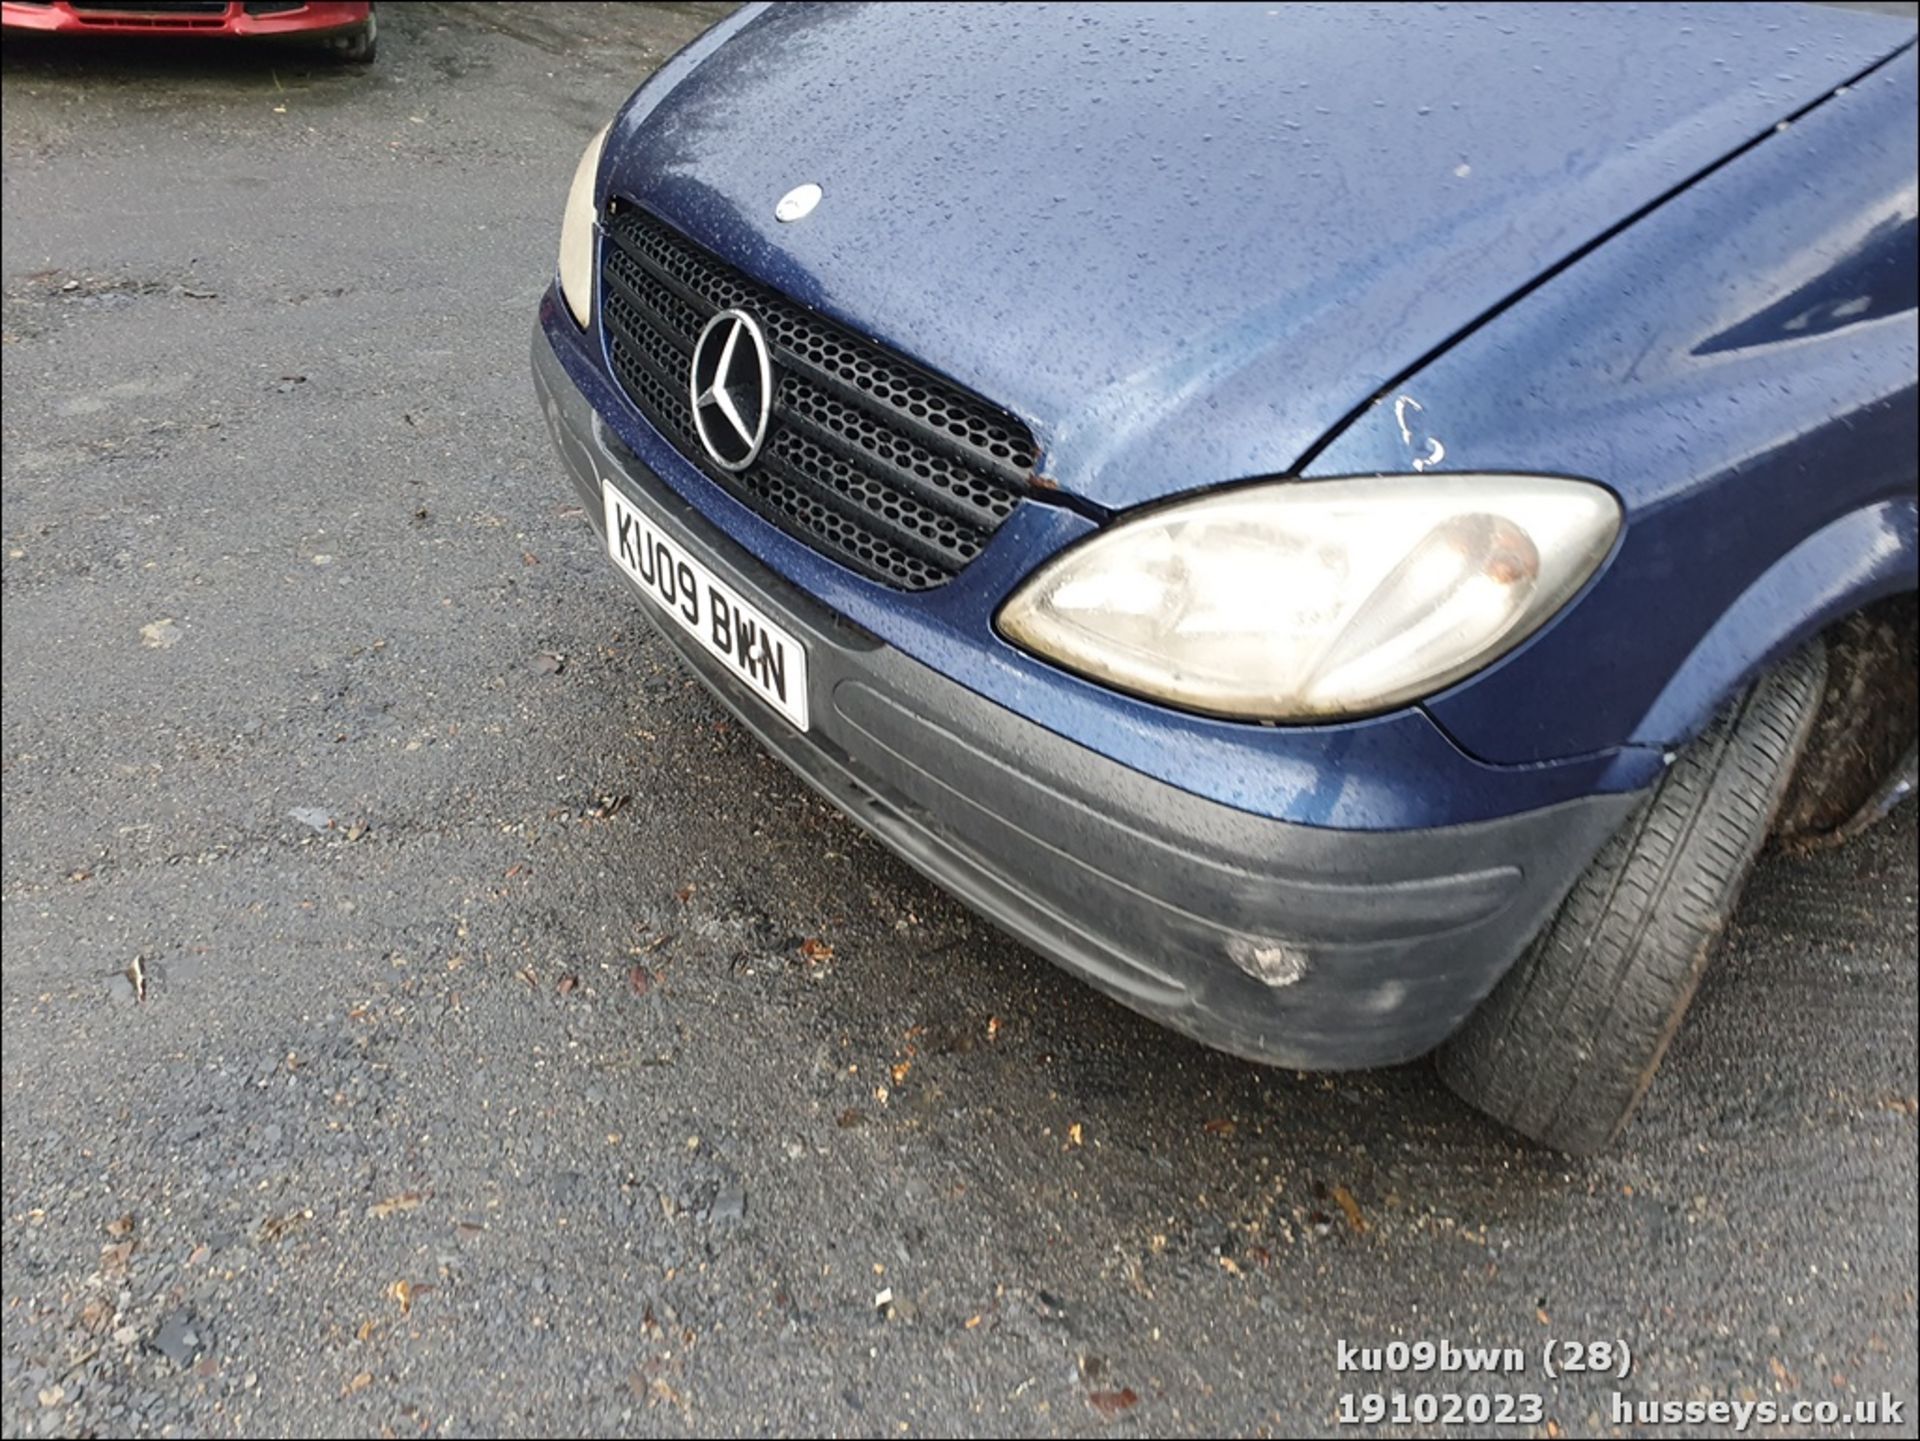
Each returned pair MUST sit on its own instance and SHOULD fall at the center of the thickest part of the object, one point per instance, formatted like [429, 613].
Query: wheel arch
[1867, 556]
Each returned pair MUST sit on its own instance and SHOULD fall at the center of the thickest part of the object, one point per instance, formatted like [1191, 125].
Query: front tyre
[359, 47]
[1567, 1043]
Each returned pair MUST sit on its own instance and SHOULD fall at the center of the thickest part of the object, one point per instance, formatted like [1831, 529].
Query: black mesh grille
[879, 464]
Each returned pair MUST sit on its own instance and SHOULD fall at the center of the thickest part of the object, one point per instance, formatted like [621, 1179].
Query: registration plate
[762, 656]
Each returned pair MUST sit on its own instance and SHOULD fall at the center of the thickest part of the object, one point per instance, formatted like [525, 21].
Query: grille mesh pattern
[887, 469]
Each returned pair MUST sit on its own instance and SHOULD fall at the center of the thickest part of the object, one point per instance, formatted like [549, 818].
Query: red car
[349, 31]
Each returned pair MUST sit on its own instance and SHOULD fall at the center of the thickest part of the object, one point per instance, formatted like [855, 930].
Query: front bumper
[1290, 944]
[314, 20]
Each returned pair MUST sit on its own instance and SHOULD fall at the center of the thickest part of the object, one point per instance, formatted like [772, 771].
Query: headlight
[576, 234]
[1310, 600]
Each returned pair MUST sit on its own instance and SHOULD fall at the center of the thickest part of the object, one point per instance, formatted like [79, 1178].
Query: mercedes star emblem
[731, 382]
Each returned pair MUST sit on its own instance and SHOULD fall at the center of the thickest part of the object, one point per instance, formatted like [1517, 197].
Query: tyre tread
[1565, 1046]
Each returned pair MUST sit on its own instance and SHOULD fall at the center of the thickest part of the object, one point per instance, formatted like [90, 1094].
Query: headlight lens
[1313, 600]
[576, 234]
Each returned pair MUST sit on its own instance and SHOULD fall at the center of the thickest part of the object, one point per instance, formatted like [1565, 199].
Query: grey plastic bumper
[1289, 944]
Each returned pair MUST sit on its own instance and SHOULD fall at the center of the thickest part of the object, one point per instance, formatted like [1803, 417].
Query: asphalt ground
[425, 1013]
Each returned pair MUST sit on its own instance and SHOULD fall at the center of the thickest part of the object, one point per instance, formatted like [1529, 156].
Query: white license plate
[762, 656]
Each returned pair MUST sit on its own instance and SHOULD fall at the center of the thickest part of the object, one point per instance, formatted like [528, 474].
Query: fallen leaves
[1219, 1126]
[659, 1392]
[401, 1293]
[640, 980]
[1076, 1136]
[276, 1228]
[397, 1205]
[1343, 1198]
[567, 984]
[1110, 1404]
[816, 951]
[121, 1227]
